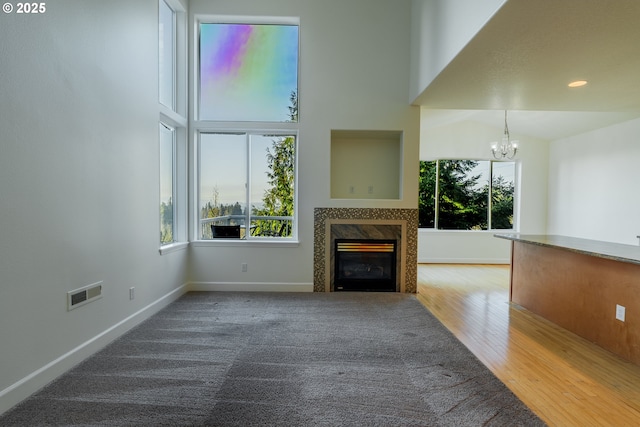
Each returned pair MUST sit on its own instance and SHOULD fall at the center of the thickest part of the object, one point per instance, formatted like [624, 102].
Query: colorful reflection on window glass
[248, 72]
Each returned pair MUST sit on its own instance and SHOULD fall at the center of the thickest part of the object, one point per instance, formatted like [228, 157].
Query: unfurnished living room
[319, 212]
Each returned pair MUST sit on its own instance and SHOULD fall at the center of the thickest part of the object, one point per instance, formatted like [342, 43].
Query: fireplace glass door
[365, 265]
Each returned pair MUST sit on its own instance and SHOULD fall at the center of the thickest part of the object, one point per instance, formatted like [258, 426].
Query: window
[166, 54]
[246, 128]
[172, 134]
[248, 72]
[247, 182]
[466, 195]
[167, 183]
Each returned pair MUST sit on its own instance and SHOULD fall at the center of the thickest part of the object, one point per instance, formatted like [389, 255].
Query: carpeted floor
[280, 359]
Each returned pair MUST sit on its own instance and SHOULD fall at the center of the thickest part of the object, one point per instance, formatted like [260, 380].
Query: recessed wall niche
[366, 164]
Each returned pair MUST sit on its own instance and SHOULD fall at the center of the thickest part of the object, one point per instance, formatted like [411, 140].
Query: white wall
[440, 29]
[468, 139]
[79, 196]
[354, 75]
[593, 179]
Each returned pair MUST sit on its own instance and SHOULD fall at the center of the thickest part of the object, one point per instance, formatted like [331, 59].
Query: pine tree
[278, 200]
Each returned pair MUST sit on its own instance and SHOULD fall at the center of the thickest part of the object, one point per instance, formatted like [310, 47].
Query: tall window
[172, 135]
[166, 54]
[248, 74]
[466, 195]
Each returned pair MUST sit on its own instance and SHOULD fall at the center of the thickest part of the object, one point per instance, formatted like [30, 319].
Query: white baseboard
[250, 287]
[464, 261]
[28, 385]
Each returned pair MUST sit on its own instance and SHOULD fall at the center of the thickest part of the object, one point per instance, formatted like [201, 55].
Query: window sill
[246, 243]
[434, 230]
[173, 247]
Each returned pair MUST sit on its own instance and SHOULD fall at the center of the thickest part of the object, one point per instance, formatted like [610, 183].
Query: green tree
[278, 200]
[211, 209]
[293, 108]
[462, 204]
[462, 201]
[166, 222]
[234, 209]
[427, 194]
[502, 204]
[215, 209]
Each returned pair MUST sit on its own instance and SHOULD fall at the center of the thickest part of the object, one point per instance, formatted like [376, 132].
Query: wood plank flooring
[564, 379]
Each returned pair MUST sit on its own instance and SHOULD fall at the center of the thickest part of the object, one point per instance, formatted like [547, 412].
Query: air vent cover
[84, 295]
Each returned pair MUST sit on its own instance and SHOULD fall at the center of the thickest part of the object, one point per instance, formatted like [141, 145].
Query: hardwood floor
[563, 378]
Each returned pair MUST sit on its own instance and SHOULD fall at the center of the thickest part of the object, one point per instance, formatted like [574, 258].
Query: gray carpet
[274, 359]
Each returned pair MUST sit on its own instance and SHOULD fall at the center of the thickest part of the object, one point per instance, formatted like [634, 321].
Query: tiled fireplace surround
[365, 223]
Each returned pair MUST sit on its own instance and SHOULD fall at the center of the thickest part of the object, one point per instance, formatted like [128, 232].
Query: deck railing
[259, 225]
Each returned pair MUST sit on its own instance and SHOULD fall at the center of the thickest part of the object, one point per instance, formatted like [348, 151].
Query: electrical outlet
[132, 293]
[245, 267]
[620, 312]
[370, 189]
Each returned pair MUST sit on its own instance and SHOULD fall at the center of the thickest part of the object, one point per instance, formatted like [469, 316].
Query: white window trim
[251, 240]
[177, 118]
[174, 51]
[195, 57]
[516, 199]
[246, 243]
[173, 247]
[198, 126]
[174, 217]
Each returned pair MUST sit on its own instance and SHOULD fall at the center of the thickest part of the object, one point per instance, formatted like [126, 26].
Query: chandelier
[505, 149]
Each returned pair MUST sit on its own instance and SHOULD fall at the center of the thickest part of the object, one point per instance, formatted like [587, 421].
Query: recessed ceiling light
[578, 83]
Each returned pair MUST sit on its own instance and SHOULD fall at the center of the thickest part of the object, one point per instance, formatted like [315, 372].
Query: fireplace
[365, 265]
[330, 224]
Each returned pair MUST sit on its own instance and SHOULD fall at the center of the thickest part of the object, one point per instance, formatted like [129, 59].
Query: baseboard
[250, 287]
[464, 261]
[33, 382]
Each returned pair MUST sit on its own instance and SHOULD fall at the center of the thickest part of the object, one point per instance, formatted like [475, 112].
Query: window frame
[516, 196]
[173, 179]
[199, 127]
[173, 51]
[175, 117]
[234, 19]
[248, 175]
[516, 166]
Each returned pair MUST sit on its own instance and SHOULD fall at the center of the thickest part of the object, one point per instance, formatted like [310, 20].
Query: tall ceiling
[527, 53]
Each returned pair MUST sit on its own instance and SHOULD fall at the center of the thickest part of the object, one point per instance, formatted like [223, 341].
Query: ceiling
[527, 53]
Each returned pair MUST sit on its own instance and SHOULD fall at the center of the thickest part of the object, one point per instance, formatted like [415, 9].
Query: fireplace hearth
[365, 265]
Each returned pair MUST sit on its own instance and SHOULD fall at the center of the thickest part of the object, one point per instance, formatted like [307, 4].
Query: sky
[247, 71]
[224, 163]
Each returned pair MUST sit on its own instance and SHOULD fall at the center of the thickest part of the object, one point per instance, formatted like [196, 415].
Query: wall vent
[84, 295]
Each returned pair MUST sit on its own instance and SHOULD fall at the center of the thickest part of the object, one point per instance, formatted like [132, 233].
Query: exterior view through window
[246, 184]
[167, 184]
[466, 195]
